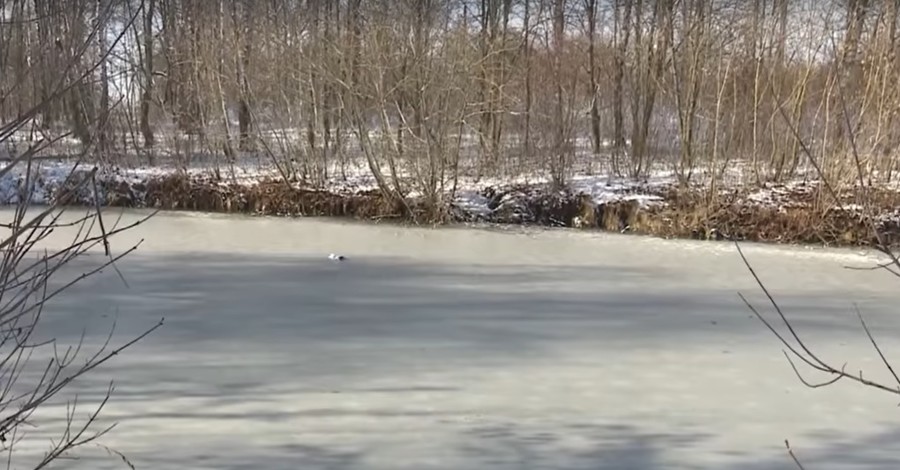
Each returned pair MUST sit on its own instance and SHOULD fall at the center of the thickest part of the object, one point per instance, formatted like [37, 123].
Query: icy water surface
[472, 349]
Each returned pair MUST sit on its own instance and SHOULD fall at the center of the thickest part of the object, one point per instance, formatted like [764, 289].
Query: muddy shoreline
[801, 214]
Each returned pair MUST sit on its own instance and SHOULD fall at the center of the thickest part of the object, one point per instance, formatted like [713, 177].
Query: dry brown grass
[803, 215]
[269, 197]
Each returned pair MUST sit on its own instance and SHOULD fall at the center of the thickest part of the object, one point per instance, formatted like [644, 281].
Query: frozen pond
[473, 349]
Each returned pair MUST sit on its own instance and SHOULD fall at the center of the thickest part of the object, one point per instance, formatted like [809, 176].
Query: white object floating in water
[335, 257]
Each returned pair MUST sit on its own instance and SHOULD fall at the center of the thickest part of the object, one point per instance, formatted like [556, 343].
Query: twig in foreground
[802, 352]
[793, 457]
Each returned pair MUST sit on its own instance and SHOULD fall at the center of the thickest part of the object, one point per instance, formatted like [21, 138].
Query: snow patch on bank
[779, 195]
[473, 197]
[36, 184]
[605, 189]
[47, 177]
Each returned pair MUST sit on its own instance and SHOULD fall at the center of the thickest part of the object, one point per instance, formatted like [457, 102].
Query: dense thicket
[431, 88]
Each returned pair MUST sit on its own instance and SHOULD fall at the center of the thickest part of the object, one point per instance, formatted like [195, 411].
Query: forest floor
[801, 211]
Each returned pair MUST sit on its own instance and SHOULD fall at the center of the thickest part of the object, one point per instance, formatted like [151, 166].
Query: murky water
[472, 349]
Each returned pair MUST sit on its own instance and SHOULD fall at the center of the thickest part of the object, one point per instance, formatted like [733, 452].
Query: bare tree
[621, 36]
[689, 63]
[590, 7]
[243, 24]
[526, 52]
[147, 92]
[559, 162]
[101, 18]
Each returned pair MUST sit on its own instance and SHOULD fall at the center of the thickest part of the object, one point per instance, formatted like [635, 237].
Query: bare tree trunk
[502, 76]
[50, 54]
[849, 63]
[781, 42]
[147, 95]
[80, 98]
[313, 87]
[103, 121]
[528, 97]
[891, 13]
[488, 81]
[856, 16]
[227, 145]
[560, 166]
[688, 65]
[591, 9]
[651, 66]
[244, 28]
[759, 13]
[622, 34]
[330, 17]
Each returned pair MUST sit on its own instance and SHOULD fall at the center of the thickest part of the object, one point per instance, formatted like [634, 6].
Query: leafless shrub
[36, 372]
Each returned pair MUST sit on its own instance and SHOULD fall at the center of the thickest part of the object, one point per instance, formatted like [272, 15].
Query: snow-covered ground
[468, 349]
[47, 176]
[474, 196]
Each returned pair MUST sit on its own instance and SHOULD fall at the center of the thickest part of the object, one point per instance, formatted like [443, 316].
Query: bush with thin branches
[36, 372]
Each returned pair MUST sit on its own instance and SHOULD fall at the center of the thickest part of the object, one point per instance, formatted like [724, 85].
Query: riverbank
[798, 213]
